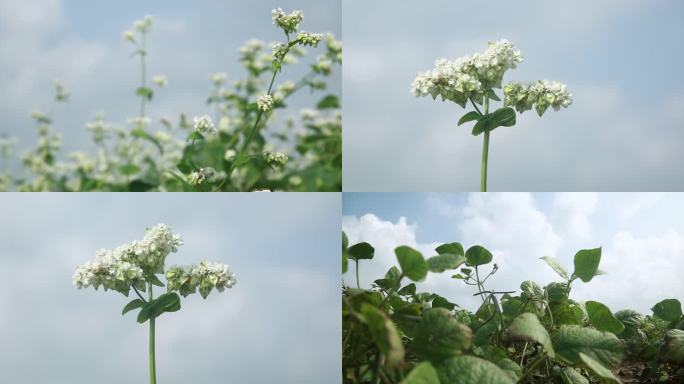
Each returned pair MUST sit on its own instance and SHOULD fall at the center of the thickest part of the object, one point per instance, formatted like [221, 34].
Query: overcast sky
[79, 42]
[279, 324]
[642, 236]
[618, 57]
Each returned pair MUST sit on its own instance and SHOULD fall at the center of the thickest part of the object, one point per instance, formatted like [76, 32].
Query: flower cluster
[205, 275]
[469, 76]
[201, 176]
[309, 39]
[542, 95]
[275, 158]
[289, 23]
[160, 80]
[128, 264]
[204, 125]
[265, 103]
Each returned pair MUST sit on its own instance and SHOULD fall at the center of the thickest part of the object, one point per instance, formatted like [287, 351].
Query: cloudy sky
[642, 236]
[280, 323]
[79, 42]
[618, 58]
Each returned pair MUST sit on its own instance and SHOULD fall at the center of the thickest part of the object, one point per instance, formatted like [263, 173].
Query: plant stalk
[153, 368]
[357, 275]
[485, 152]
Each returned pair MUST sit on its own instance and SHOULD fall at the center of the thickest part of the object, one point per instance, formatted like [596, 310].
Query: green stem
[153, 368]
[357, 275]
[143, 74]
[532, 367]
[485, 152]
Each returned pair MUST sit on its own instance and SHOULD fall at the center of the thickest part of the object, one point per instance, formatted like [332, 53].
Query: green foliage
[395, 333]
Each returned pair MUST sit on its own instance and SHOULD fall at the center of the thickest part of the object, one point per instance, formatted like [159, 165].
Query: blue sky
[642, 236]
[79, 42]
[618, 58]
[279, 323]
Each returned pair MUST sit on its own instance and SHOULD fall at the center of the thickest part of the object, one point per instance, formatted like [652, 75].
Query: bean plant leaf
[527, 327]
[361, 251]
[602, 318]
[441, 263]
[571, 340]
[586, 263]
[422, 373]
[668, 310]
[471, 369]
[673, 346]
[470, 116]
[451, 248]
[478, 255]
[384, 334]
[440, 335]
[412, 263]
[598, 370]
[556, 265]
[570, 376]
[137, 303]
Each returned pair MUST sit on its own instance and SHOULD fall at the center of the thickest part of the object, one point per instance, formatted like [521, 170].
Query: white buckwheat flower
[230, 155]
[289, 23]
[265, 102]
[218, 78]
[160, 80]
[309, 39]
[275, 158]
[206, 275]
[204, 125]
[129, 36]
[143, 25]
[201, 176]
[541, 95]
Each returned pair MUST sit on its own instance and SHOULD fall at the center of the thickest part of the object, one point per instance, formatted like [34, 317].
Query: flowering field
[243, 146]
[393, 334]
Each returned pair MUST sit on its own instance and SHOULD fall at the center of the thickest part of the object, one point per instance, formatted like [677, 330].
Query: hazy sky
[280, 322]
[79, 42]
[642, 236]
[618, 57]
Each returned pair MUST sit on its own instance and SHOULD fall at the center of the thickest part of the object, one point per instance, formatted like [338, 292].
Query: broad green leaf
[673, 346]
[598, 370]
[391, 279]
[668, 310]
[602, 318]
[145, 312]
[137, 303]
[422, 373]
[384, 334]
[408, 290]
[345, 245]
[527, 327]
[412, 263]
[361, 251]
[345, 241]
[531, 290]
[439, 335]
[470, 116]
[478, 255]
[553, 263]
[503, 117]
[329, 102]
[440, 302]
[570, 376]
[484, 334]
[129, 169]
[195, 136]
[145, 92]
[586, 263]
[471, 370]
[604, 347]
[557, 292]
[451, 248]
[510, 367]
[445, 261]
[344, 262]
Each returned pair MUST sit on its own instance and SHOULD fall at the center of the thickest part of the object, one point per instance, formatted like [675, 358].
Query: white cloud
[571, 214]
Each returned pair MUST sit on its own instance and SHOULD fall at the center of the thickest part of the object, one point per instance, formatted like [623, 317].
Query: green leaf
[142, 134]
[557, 292]
[155, 280]
[673, 346]
[470, 370]
[570, 376]
[145, 92]
[444, 261]
[345, 241]
[527, 327]
[384, 334]
[598, 370]
[412, 263]
[145, 312]
[422, 373]
[439, 335]
[503, 117]
[478, 255]
[553, 263]
[407, 290]
[602, 318]
[361, 251]
[586, 263]
[129, 169]
[482, 125]
[451, 248]
[492, 95]
[571, 340]
[470, 116]
[329, 102]
[137, 303]
[167, 302]
[668, 310]
[195, 136]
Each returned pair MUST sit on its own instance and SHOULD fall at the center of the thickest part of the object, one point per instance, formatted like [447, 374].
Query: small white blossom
[206, 276]
[204, 125]
[201, 176]
[275, 158]
[230, 155]
[289, 23]
[218, 78]
[160, 80]
[541, 95]
[129, 36]
[309, 39]
[265, 102]
[143, 26]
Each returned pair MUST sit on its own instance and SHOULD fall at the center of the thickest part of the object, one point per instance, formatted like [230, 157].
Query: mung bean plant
[476, 78]
[239, 144]
[136, 266]
[394, 333]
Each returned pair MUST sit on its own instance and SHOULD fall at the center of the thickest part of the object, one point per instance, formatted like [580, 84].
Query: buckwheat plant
[475, 78]
[136, 266]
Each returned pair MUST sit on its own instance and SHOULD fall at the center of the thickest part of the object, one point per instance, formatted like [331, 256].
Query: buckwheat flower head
[230, 155]
[143, 25]
[275, 158]
[129, 36]
[160, 80]
[206, 275]
[289, 23]
[218, 78]
[265, 103]
[541, 95]
[201, 176]
[204, 125]
[323, 65]
[309, 39]
[61, 92]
